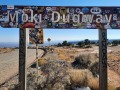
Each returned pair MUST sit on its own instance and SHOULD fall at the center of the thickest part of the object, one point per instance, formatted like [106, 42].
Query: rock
[84, 88]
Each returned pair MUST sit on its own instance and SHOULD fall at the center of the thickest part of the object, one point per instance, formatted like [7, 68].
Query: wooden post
[22, 58]
[103, 59]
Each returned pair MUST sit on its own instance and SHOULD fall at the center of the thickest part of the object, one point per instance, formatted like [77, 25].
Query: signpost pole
[103, 59]
[37, 60]
[22, 58]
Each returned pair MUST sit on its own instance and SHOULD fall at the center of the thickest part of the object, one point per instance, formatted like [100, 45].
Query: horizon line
[62, 40]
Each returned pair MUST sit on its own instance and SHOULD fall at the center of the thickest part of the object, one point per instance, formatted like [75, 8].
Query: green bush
[115, 42]
[94, 68]
[81, 44]
[59, 45]
[82, 61]
[88, 46]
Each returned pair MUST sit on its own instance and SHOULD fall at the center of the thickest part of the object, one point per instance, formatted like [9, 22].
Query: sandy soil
[9, 62]
[6, 50]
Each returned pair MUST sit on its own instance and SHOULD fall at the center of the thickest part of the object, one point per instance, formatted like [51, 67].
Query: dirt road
[9, 62]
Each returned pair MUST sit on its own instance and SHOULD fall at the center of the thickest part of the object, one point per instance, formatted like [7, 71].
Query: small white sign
[10, 7]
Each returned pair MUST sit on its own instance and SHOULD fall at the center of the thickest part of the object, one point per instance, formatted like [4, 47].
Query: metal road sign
[36, 36]
[59, 17]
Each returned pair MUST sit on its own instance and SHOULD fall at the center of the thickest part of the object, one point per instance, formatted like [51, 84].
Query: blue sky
[12, 35]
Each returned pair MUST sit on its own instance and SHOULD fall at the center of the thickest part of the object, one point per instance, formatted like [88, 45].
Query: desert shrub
[83, 78]
[88, 46]
[115, 42]
[93, 83]
[56, 76]
[82, 61]
[81, 44]
[59, 45]
[66, 43]
[78, 77]
[94, 68]
[42, 61]
[14, 87]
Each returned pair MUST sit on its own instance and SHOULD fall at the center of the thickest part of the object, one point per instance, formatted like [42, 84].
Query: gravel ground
[9, 63]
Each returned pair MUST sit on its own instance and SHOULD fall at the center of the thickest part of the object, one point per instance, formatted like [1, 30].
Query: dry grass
[42, 61]
[69, 54]
[114, 56]
[78, 77]
[5, 50]
[63, 57]
[66, 54]
[83, 78]
[93, 83]
[111, 87]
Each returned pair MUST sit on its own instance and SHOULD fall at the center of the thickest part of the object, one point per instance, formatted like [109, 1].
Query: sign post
[37, 61]
[36, 37]
[103, 59]
[22, 58]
